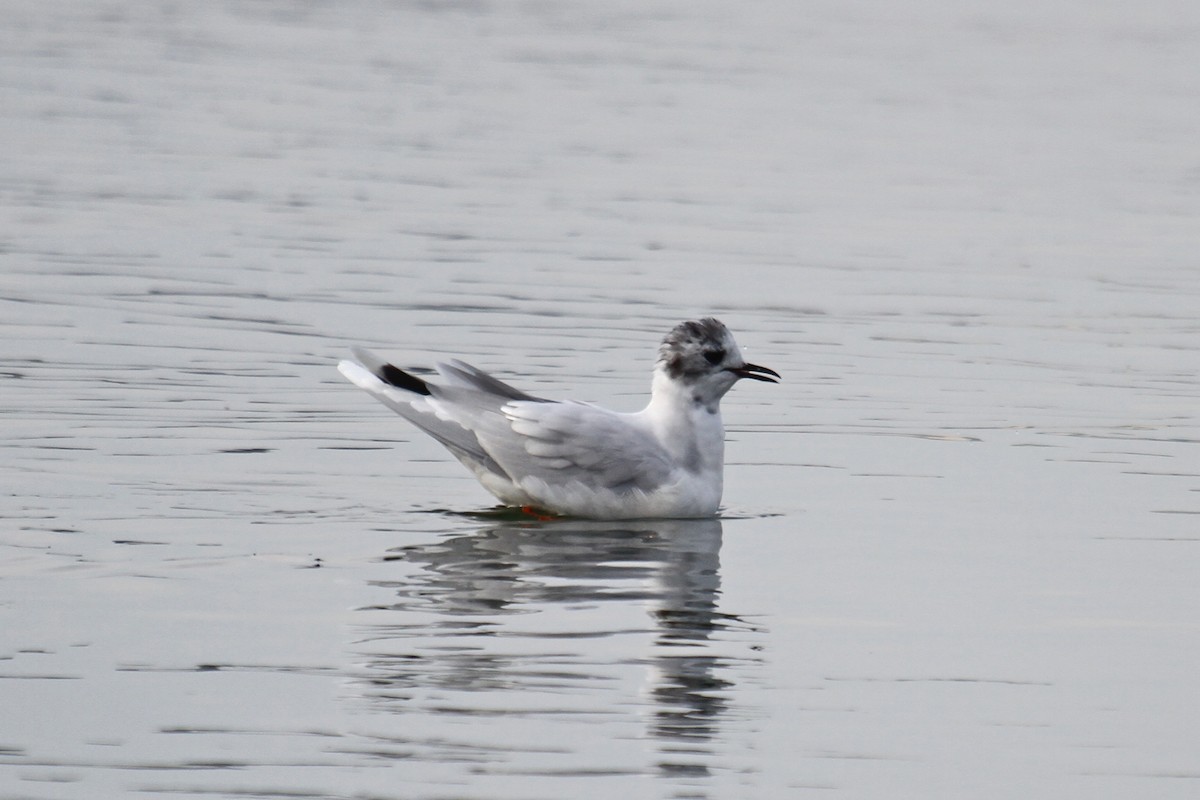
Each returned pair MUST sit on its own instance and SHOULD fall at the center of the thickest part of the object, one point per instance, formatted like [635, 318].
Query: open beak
[756, 372]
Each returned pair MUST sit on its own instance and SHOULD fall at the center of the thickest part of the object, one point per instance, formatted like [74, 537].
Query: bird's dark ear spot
[674, 365]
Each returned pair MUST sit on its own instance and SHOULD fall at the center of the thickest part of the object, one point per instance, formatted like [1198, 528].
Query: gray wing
[565, 443]
[515, 435]
[461, 373]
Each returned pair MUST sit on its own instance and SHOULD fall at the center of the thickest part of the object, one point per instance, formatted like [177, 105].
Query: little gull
[575, 458]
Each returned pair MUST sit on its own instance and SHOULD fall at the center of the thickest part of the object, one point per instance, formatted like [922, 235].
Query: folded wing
[522, 439]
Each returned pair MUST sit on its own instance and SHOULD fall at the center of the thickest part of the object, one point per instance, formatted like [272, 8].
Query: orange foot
[538, 514]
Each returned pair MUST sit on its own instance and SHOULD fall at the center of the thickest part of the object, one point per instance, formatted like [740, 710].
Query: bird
[572, 458]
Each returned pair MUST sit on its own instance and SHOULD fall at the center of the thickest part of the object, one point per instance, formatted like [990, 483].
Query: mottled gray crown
[695, 348]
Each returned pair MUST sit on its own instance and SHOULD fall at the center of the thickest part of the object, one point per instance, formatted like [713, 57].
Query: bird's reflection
[662, 576]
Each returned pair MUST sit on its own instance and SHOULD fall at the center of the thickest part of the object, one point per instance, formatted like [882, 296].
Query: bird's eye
[714, 357]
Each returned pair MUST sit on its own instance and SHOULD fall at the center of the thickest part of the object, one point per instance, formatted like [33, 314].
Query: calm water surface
[959, 548]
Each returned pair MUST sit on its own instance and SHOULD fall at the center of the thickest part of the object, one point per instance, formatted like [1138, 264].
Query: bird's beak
[756, 372]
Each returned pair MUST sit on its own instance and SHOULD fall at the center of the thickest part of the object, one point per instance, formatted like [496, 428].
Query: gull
[577, 459]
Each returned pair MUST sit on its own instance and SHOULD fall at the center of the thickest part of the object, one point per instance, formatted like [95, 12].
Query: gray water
[959, 546]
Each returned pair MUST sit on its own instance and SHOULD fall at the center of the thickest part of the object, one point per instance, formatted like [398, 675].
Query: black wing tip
[397, 377]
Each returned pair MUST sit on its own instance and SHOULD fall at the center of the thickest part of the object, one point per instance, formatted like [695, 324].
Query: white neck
[690, 430]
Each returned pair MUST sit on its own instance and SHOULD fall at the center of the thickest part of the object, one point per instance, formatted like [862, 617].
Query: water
[957, 556]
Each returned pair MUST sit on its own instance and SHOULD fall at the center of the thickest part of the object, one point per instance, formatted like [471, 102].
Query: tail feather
[390, 374]
[414, 399]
